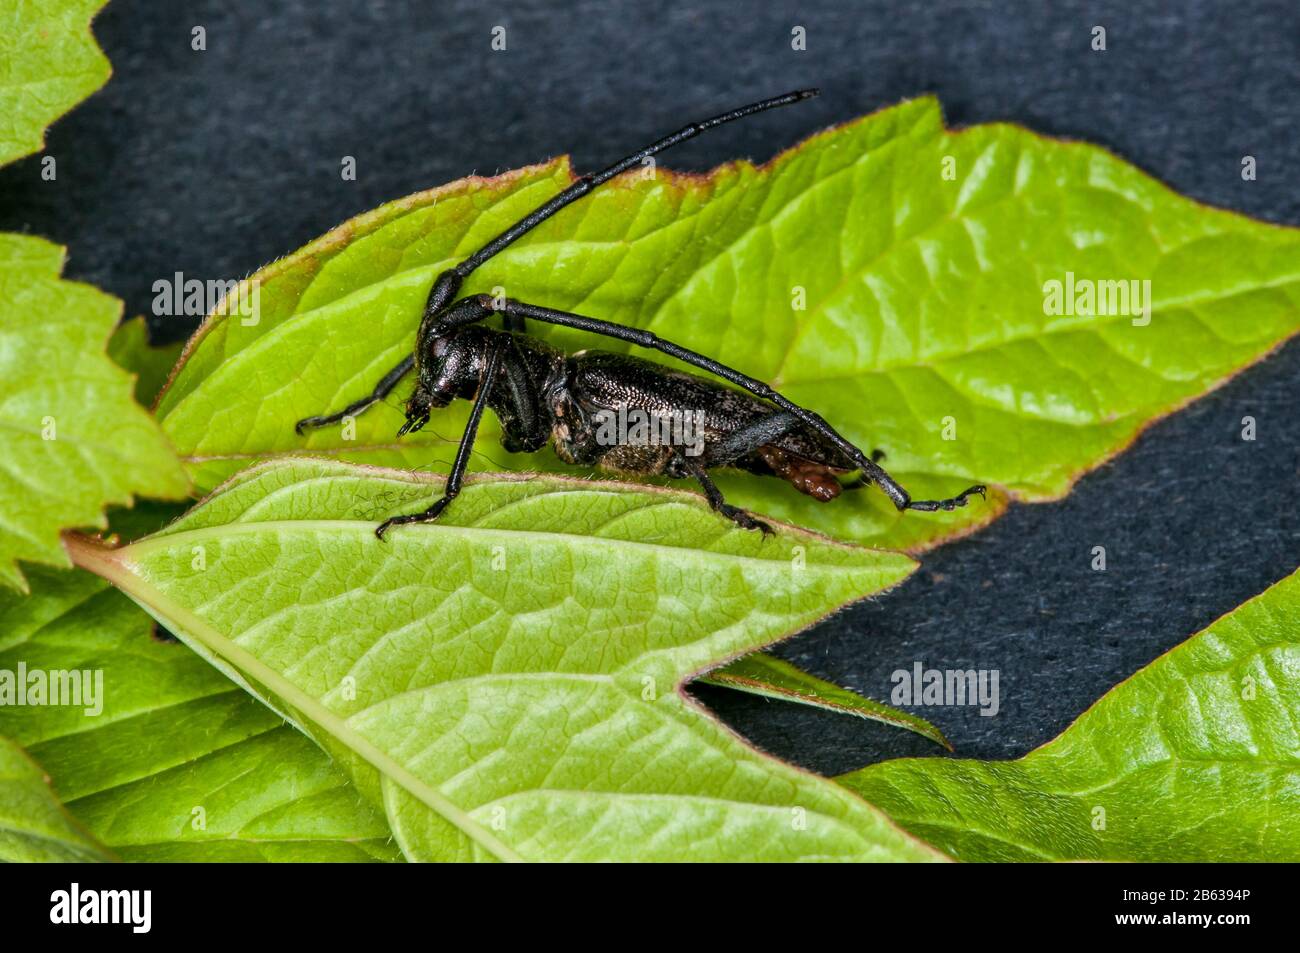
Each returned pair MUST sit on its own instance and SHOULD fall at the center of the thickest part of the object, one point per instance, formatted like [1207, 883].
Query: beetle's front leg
[461, 463]
[442, 291]
[382, 390]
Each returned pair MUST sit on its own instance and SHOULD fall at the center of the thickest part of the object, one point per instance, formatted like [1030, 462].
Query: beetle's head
[447, 366]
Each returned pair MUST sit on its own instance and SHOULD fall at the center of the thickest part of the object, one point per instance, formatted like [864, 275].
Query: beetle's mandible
[613, 411]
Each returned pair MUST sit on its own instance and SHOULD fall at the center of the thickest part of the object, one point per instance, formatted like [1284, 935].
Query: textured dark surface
[214, 163]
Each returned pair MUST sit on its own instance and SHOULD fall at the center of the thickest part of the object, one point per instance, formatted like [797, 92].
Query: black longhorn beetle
[542, 395]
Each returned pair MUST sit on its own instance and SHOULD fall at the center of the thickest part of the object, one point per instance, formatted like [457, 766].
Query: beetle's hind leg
[759, 439]
[903, 500]
[382, 390]
[862, 481]
[930, 506]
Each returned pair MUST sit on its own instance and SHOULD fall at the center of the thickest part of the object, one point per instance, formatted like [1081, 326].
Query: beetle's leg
[463, 452]
[382, 390]
[759, 438]
[750, 437]
[477, 307]
[860, 482]
[903, 500]
[522, 428]
[741, 518]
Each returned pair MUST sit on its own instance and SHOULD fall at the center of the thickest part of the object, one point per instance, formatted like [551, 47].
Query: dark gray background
[214, 163]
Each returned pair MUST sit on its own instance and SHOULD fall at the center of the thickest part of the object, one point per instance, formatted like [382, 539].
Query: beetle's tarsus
[424, 516]
[380, 391]
[742, 518]
[930, 506]
[746, 520]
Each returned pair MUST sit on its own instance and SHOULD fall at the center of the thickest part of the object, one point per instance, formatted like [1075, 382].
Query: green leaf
[73, 438]
[34, 827]
[924, 301]
[49, 62]
[180, 764]
[130, 348]
[771, 677]
[506, 682]
[1194, 758]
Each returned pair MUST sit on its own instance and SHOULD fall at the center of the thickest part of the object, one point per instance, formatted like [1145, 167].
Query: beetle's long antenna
[447, 285]
[588, 182]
